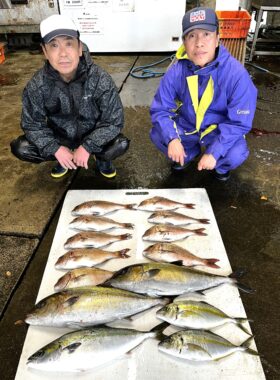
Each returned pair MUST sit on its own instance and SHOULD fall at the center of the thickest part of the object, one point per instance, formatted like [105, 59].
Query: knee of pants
[23, 150]
[116, 148]
[237, 154]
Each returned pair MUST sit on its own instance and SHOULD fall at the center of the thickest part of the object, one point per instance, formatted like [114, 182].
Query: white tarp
[146, 362]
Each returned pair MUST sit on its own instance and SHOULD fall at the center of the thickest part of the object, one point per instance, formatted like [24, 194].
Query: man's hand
[207, 162]
[65, 157]
[176, 151]
[81, 157]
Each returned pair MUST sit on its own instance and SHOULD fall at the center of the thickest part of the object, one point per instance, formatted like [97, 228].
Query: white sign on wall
[123, 5]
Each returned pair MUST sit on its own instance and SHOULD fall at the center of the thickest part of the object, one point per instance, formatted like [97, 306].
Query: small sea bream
[165, 233]
[160, 203]
[168, 252]
[99, 207]
[97, 223]
[88, 257]
[174, 218]
[92, 239]
[82, 277]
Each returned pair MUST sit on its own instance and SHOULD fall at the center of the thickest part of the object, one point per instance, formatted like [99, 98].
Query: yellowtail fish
[164, 233]
[97, 223]
[99, 207]
[161, 203]
[199, 345]
[88, 257]
[167, 252]
[86, 349]
[161, 279]
[92, 239]
[82, 277]
[88, 306]
[197, 315]
[174, 218]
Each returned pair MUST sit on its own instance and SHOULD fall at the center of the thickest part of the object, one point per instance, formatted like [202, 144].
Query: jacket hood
[222, 56]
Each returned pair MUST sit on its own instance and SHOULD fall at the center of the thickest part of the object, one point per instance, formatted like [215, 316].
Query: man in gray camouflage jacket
[71, 107]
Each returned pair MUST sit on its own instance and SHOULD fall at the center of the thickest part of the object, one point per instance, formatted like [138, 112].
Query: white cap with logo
[57, 25]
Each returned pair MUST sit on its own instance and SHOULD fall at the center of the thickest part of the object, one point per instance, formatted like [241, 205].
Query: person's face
[200, 46]
[64, 53]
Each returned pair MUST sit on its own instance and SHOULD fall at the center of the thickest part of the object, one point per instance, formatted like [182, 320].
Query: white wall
[227, 5]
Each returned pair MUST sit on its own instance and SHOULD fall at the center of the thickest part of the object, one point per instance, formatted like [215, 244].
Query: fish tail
[123, 253]
[204, 221]
[158, 330]
[200, 231]
[129, 226]
[239, 324]
[211, 263]
[189, 205]
[246, 345]
[125, 236]
[131, 206]
[245, 288]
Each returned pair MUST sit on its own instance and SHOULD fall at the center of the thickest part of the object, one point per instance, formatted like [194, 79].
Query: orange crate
[2, 52]
[233, 24]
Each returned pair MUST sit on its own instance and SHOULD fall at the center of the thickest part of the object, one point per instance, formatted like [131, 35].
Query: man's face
[64, 53]
[200, 46]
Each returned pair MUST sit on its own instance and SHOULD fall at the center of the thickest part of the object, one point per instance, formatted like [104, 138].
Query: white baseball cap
[57, 25]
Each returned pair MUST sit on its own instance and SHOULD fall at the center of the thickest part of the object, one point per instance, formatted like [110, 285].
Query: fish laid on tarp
[88, 257]
[91, 239]
[200, 345]
[82, 277]
[89, 306]
[197, 315]
[160, 203]
[99, 207]
[86, 349]
[97, 223]
[169, 253]
[164, 233]
[174, 218]
[161, 279]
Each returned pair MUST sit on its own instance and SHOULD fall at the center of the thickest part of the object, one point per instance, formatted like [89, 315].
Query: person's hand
[65, 157]
[206, 162]
[81, 157]
[176, 151]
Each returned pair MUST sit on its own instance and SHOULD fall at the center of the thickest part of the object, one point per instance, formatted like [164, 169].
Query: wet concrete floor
[247, 207]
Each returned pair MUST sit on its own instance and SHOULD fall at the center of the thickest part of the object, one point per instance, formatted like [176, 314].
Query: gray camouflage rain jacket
[86, 111]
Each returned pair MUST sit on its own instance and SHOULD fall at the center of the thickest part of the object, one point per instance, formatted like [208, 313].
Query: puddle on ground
[8, 79]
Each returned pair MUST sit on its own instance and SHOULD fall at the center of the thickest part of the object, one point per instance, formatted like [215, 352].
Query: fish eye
[39, 354]
[41, 304]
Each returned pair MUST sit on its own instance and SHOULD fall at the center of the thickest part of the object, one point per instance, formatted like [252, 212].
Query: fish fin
[200, 231]
[125, 236]
[129, 226]
[158, 330]
[245, 288]
[77, 279]
[211, 263]
[189, 205]
[195, 347]
[131, 206]
[177, 262]
[123, 253]
[72, 347]
[71, 301]
[151, 273]
[203, 221]
[239, 324]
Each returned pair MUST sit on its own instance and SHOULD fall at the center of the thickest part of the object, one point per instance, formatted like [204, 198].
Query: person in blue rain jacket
[205, 102]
